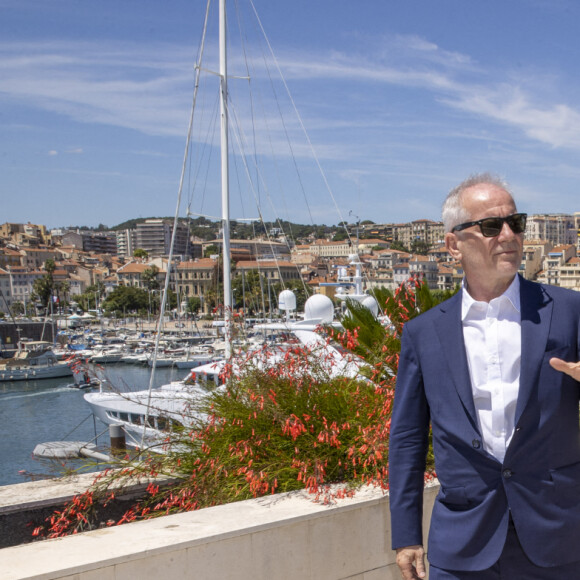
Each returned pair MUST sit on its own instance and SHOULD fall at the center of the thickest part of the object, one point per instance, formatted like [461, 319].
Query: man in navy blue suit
[494, 371]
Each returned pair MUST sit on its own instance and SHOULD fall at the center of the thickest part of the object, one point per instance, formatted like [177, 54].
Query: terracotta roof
[265, 264]
[201, 263]
[135, 268]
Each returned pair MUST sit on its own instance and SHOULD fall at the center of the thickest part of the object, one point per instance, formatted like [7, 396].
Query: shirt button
[507, 473]
[476, 443]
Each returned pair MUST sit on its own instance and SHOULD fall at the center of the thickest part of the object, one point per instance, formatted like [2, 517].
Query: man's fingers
[421, 566]
[572, 369]
[411, 562]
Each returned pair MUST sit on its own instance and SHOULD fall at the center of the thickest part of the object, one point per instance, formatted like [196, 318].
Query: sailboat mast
[225, 178]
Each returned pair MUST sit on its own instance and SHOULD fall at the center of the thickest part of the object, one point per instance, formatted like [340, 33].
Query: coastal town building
[154, 236]
[10, 257]
[21, 281]
[5, 291]
[251, 249]
[126, 242]
[555, 262]
[85, 258]
[424, 232]
[196, 277]
[25, 234]
[132, 274]
[570, 274]
[36, 257]
[425, 269]
[91, 241]
[272, 270]
[555, 228]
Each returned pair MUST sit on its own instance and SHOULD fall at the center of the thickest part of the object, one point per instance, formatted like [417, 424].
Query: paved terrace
[284, 536]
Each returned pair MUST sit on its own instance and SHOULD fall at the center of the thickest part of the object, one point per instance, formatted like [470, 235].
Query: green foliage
[90, 297]
[50, 266]
[17, 309]
[193, 304]
[126, 299]
[340, 236]
[140, 253]
[276, 427]
[211, 250]
[396, 245]
[43, 288]
[149, 277]
[420, 247]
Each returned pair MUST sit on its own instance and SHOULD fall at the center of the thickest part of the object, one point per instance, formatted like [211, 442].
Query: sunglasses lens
[491, 227]
[517, 223]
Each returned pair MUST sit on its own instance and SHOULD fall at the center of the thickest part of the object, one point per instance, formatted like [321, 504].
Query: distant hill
[206, 229]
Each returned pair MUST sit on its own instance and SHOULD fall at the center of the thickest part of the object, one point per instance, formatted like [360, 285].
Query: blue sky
[400, 101]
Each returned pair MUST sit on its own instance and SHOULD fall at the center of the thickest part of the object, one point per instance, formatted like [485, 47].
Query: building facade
[556, 228]
[154, 236]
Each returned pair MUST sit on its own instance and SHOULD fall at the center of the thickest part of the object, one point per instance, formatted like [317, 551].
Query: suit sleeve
[409, 440]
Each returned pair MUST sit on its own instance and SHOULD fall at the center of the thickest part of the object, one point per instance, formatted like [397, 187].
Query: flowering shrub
[296, 424]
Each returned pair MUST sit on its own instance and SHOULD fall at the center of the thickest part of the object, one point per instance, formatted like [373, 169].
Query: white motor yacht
[33, 360]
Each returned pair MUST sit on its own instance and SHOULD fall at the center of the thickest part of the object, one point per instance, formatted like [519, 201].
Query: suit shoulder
[427, 317]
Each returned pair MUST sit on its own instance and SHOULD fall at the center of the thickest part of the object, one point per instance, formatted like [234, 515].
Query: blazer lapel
[450, 331]
[536, 308]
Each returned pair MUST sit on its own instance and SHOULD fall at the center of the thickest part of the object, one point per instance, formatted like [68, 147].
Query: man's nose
[506, 232]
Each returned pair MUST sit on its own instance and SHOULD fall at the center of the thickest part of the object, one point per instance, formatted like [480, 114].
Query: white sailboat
[149, 413]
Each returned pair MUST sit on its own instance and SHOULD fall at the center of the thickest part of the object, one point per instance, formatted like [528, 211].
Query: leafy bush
[275, 428]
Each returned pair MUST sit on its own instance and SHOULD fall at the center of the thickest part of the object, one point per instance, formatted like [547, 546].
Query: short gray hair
[453, 212]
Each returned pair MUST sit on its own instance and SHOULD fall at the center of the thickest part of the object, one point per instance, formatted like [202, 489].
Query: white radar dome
[371, 304]
[287, 300]
[319, 306]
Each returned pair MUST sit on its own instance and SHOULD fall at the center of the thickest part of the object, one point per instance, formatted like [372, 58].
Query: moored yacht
[33, 360]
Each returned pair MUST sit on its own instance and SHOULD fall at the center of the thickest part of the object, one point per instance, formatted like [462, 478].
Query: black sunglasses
[492, 226]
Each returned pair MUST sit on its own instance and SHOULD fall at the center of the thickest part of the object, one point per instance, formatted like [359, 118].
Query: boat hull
[26, 374]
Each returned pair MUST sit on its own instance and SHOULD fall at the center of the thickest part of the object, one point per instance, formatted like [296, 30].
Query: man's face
[487, 262]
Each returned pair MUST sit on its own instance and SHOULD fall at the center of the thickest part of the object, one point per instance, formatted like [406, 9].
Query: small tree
[17, 309]
[211, 250]
[193, 304]
[140, 253]
[150, 277]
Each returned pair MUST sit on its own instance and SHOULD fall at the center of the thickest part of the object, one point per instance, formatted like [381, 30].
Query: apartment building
[5, 292]
[25, 234]
[154, 236]
[126, 242]
[555, 228]
[426, 269]
[131, 274]
[196, 277]
[91, 241]
[273, 270]
[570, 274]
[556, 258]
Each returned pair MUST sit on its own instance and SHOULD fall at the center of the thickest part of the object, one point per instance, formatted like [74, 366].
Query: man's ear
[451, 245]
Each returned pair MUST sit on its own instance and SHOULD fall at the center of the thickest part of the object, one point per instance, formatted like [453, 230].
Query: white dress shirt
[492, 334]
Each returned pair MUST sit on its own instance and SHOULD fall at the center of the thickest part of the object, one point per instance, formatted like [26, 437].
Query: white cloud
[147, 89]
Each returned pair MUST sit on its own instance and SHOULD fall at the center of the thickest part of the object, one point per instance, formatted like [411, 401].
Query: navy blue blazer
[539, 480]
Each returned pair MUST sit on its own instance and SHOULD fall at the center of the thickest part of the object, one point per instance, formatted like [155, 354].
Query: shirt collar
[512, 294]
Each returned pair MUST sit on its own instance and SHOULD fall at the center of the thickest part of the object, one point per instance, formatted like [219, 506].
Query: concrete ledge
[45, 492]
[25, 506]
[279, 537]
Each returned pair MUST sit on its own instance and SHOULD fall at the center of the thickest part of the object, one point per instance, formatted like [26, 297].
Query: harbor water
[33, 412]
